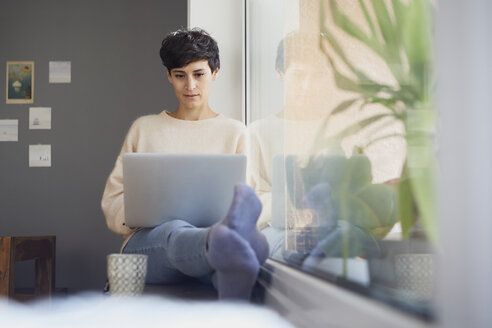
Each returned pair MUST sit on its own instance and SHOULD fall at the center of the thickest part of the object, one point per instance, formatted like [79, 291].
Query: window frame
[309, 301]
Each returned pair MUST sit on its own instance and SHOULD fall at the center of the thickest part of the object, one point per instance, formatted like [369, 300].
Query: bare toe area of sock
[235, 262]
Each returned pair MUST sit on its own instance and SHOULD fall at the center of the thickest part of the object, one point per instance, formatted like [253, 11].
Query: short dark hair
[182, 47]
[299, 47]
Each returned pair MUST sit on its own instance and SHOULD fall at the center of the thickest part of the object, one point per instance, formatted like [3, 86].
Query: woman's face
[306, 85]
[192, 83]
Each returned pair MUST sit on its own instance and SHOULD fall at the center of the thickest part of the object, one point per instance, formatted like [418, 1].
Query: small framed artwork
[20, 82]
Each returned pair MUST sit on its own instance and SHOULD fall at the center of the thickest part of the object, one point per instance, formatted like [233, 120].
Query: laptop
[197, 188]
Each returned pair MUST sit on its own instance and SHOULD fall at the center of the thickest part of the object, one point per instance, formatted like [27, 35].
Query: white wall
[265, 30]
[223, 19]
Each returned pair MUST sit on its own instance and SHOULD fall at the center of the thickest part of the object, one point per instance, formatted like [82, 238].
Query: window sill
[308, 301]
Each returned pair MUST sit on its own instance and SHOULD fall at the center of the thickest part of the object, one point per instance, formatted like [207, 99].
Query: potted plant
[349, 212]
[401, 34]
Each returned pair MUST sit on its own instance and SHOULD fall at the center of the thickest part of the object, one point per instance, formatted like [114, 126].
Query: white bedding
[95, 310]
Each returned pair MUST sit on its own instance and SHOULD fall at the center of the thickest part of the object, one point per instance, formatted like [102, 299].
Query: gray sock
[236, 248]
[242, 217]
[234, 261]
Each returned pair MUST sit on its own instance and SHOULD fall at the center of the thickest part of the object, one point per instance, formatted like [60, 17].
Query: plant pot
[405, 269]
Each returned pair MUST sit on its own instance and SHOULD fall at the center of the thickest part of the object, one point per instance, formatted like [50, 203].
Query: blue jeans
[276, 241]
[176, 252]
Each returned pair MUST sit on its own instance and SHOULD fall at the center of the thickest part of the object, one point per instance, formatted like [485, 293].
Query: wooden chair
[41, 249]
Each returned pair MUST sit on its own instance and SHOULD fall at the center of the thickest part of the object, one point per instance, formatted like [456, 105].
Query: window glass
[341, 119]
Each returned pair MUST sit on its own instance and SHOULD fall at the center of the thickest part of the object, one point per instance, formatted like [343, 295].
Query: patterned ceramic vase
[415, 275]
[126, 274]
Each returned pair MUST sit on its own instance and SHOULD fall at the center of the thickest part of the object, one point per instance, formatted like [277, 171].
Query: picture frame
[20, 82]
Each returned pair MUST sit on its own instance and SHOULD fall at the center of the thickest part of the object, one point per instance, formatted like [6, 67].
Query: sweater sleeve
[112, 202]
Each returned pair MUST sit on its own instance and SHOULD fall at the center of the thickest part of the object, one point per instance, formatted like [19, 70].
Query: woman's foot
[234, 261]
[236, 248]
[242, 217]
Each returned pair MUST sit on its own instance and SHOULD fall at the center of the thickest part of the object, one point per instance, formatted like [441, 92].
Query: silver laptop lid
[196, 188]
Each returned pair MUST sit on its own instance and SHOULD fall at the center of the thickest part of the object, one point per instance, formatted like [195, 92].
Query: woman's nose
[190, 83]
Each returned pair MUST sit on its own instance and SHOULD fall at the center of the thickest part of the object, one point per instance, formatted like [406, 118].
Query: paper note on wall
[40, 118]
[9, 130]
[39, 155]
[60, 72]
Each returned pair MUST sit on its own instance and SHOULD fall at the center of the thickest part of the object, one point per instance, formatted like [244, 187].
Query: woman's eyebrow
[183, 72]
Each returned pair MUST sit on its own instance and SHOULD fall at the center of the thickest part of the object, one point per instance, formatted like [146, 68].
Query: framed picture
[20, 82]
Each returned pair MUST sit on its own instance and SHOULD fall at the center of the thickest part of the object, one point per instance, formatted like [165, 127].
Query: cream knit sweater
[162, 133]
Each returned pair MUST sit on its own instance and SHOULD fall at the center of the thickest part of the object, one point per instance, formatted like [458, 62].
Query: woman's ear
[169, 77]
[215, 74]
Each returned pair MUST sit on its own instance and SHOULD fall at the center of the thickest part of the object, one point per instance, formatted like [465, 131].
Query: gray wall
[116, 77]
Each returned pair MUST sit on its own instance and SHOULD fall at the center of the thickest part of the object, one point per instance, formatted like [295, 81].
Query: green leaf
[423, 189]
[354, 128]
[343, 106]
[386, 102]
[384, 21]
[345, 83]
[368, 19]
[354, 198]
[381, 200]
[342, 81]
[357, 173]
[421, 164]
[352, 29]
[374, 207]
[326, 33]
[389, 52]
[418, 45]
[401, 11]
[405, 206]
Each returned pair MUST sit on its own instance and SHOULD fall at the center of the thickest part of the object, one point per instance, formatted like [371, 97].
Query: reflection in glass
[344, 166]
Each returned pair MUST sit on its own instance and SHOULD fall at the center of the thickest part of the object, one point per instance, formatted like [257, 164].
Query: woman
[233, 249]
